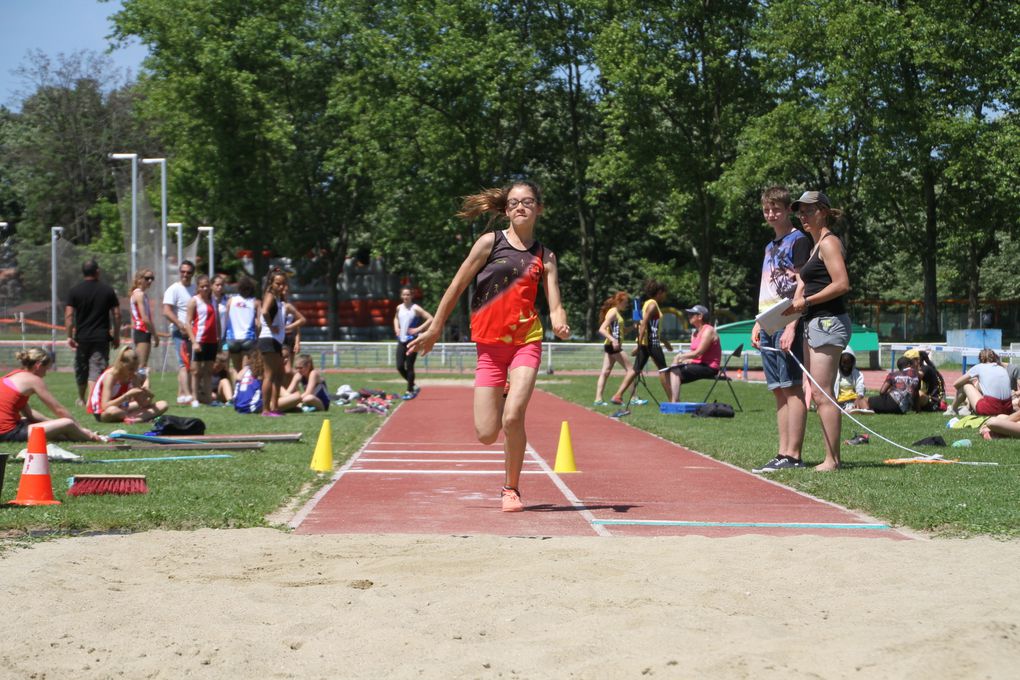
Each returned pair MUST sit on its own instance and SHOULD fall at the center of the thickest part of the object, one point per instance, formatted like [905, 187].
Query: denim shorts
[781, 369]
[823, 331]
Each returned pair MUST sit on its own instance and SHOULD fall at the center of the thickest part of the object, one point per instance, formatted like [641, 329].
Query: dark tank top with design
[503, 306]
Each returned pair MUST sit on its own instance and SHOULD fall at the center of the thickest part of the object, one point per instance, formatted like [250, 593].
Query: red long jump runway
[424, 472]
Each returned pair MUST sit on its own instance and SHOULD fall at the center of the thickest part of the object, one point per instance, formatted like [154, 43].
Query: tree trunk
[928, 250]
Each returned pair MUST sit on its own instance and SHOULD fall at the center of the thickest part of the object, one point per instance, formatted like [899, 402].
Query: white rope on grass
[917, 454]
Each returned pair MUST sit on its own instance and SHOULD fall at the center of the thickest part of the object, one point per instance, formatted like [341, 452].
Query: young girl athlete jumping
[505, 327]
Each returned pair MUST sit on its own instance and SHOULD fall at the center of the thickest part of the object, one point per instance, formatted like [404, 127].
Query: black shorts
[609, 349]
[206, 351]
[883, 403]
[18, 434]
[691, 372]
[140, 336]
[269, 346]
[91, 358]
[240, 346]
[645, 353]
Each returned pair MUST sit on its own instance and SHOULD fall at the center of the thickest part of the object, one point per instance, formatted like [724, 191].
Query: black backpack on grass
[176, 426]
[714, 410]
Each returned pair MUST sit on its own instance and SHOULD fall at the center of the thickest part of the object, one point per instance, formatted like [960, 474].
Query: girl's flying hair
[493, 201]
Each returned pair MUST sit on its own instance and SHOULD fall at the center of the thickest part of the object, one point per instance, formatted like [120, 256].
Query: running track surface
[425, 473]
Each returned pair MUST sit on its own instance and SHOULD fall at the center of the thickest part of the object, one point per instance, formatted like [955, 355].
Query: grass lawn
[232, 492]
[951, 500]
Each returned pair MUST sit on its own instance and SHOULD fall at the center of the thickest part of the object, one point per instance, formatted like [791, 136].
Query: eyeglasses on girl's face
[528, 203]
[806, 211]
[149, 278]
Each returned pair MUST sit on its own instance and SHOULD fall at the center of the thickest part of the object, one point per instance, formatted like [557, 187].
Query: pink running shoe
[512, 500]
[272, 414]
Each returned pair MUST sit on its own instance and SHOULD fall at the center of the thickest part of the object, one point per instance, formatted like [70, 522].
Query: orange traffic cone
[35, 487]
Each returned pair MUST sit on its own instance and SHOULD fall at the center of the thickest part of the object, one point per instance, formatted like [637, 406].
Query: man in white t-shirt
[175, 311]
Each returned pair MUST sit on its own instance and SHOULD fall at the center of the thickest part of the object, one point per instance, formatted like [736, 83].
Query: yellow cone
[565, 452]
[322, 459]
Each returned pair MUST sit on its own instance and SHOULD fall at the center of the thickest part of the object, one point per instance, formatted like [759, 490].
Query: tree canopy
[315, 127]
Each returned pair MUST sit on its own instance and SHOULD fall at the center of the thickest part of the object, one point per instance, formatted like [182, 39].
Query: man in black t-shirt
[92, 318]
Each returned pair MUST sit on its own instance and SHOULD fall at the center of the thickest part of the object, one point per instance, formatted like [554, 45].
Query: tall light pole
[180, 246]
[161, 162]
[54, 237]
[133, 157]
[210, 230]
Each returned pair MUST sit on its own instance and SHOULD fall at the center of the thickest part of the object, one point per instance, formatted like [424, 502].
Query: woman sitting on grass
[119, 397]
[248, 389]
[17, 417]
[307, 388]
[985, 387]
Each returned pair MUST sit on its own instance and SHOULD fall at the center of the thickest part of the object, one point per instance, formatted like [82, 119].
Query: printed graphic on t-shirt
[503, 306]
[779, 269]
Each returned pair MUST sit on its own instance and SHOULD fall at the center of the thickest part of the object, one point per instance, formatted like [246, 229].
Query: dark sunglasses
[149, 278]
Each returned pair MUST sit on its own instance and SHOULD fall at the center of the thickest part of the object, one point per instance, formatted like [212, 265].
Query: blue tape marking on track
[767, 525]
[159, 459]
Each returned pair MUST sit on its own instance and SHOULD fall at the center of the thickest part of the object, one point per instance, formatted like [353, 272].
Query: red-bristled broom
[86, 485]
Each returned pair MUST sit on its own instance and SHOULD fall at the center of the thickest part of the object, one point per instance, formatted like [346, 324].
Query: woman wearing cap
[822, 285]
[702, 360]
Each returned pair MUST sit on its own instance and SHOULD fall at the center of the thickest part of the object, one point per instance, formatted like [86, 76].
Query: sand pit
[262, 603]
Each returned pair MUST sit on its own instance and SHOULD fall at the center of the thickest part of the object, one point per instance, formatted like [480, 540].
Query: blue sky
[55, 26]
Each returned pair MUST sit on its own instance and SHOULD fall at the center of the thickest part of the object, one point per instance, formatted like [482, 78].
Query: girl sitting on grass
[307, 388]
[17, 417]
[248, 390]
[118, 395]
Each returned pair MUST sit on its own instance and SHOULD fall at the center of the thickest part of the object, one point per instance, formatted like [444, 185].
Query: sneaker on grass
[638, 402]
[780, 463]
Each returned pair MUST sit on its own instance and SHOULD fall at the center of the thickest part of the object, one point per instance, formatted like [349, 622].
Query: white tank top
[405, 317]
[241, 318]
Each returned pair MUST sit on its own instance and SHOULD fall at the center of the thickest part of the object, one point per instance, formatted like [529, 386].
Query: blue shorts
[780, 368]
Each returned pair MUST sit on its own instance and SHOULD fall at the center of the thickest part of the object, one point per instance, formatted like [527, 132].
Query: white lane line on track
[569, 495]
[531, 457]
[380, 471]
[476, 452]
[437, 460]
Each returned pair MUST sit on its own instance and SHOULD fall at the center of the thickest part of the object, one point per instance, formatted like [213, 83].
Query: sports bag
[169, 426]
[714, 410]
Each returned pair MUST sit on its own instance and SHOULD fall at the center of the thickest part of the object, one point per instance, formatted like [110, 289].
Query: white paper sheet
[772, 319]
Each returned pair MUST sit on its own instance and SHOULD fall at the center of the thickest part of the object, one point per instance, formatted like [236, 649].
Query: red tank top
[503, 306]
[95, 402]
[204, 323]
[137, 320]
[11, 403]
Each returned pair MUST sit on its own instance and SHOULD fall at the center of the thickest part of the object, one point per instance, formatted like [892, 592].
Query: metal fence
[459, 357]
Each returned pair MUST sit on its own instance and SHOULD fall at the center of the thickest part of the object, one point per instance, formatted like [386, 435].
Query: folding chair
[722, 375]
